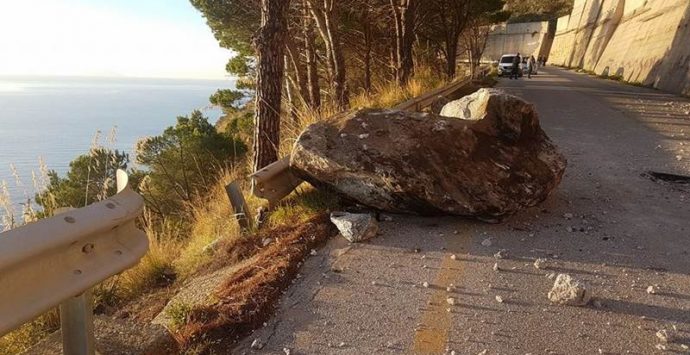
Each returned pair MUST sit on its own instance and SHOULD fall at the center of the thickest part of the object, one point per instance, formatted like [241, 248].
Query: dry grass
[22, 338]
[389, 94]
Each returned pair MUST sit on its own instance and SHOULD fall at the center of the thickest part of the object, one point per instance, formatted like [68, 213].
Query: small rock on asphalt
[501, 254]
[666, 336]
[256, 344]
[652, 290]
[355, 227]
[540, 264]
[567, 290]
[487, 242]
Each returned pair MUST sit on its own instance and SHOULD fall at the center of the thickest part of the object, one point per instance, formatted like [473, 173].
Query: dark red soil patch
[249, 297]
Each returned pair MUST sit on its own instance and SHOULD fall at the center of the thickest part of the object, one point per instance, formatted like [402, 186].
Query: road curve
[627, 233]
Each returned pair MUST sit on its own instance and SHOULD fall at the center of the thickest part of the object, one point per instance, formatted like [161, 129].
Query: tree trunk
[404, 13]
[310, 53]
[325, 16]
[368, 39]
[269, 44]
[451, 56]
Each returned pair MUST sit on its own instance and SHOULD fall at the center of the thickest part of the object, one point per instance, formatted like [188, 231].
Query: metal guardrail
[56, 261]
[420, 102]
[275, 181]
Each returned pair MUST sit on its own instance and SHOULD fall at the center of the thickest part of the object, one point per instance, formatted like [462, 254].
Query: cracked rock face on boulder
[489, 163]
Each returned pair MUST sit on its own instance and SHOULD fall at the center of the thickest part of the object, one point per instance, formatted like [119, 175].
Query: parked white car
[505, 65]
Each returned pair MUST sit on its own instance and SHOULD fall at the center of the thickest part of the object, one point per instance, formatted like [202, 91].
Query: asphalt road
[626, 233]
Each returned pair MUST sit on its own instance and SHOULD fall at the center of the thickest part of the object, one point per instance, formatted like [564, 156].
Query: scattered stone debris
[394, 175]
[355, 227]
[661, 347]
[257, 344]
[453, 257]
[569, 291]
[652, 290]
[487, 242]
[313, 252]
[451, 301]
[287, 351]
[541, 264]
[501, 254]
[666, 336]
[499, 299]
[425, 284]
[496, 268]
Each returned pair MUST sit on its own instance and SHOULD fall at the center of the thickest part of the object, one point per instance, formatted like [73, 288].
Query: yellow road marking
[436, 320]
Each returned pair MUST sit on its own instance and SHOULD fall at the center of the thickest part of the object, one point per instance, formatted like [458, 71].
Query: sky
[111, 38]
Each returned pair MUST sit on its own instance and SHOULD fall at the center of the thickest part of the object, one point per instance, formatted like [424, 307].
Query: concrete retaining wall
[531, 38]
[642, 41]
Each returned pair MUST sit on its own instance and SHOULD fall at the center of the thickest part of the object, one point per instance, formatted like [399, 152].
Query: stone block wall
[641, 41]
[531, 38]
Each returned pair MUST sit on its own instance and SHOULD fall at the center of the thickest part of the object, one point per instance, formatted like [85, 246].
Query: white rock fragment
[540, 264]
[287, 351]
[266, 241]
[679, 157]
[496, 268]
[355, 227]
[363, 135]
[666, 336]
[425, 284]
[257, 344]
[487, 242]
[652, 290]
[313, 252]
[501, 254]
[499, 299]
[551, 275]
[451, 301]
[341, 345]
[661, 347]
[568, 291]
[453, 257]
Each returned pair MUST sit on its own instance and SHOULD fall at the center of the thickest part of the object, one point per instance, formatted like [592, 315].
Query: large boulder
[490, 163]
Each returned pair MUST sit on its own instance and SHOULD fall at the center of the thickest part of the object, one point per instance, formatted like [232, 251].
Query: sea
[55, 119]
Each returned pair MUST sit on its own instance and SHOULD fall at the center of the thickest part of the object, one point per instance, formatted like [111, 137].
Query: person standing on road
[516, 66]
[530, 66]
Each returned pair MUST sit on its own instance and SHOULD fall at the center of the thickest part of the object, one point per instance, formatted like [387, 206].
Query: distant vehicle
[505, 65]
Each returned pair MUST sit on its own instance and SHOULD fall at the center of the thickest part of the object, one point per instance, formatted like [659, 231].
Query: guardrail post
[76, 323]
[239, 206]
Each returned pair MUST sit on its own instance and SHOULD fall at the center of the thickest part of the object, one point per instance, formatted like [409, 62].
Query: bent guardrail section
[51, 261]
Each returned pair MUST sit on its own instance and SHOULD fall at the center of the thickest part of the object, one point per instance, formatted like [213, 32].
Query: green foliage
[91, 178]
[183, 163]
[234, 23]
[229, 100]
[178, 313]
